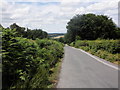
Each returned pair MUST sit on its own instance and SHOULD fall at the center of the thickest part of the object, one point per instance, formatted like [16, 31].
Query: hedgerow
[106, 49]
[26, 63]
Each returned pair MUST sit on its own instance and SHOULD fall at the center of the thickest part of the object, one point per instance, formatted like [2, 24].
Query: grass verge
[105, 49]
[0, 67]
[55, 75]
[114, 58]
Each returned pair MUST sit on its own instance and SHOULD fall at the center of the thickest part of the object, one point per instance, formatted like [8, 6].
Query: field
[55, 35]
[61, 36]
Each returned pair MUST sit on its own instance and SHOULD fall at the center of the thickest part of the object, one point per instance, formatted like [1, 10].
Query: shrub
[106, 49]
[26, 62]
[112, 46]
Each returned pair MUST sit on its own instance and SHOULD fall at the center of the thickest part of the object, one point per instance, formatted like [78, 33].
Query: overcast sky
[52, 15]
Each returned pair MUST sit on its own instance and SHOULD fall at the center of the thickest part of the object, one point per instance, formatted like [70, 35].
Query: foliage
[106, 49]
[90, 27]
[61, 39]
[36, 33]
[1, 26]
[26, 62]
[20, 30]
[111, 46]
[28, 33]
[118, 32]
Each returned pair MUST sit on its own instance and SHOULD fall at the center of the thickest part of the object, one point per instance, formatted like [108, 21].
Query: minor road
[80, 70]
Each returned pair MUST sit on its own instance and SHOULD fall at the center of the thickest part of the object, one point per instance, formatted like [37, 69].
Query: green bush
[26, 62]
[106, 49]
[112, 46]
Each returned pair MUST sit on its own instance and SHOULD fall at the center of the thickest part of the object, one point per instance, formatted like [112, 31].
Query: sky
[52, 15]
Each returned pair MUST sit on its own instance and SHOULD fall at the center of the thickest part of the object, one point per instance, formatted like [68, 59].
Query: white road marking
[97, 59]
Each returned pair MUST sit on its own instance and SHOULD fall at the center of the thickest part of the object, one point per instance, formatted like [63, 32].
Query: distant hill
[56, 35]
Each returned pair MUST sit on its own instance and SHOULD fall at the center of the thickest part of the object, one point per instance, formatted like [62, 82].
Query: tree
[1, 26]
[30, 34]
[90, 27]
[61, 39]
[118, 33]
[36, 33]
[20, 30]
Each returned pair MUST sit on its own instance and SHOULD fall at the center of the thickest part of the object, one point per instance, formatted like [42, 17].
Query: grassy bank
[55, 75]
[0, 67]
[106, 49]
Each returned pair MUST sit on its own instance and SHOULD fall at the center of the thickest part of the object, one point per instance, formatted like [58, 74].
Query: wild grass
[106, 49]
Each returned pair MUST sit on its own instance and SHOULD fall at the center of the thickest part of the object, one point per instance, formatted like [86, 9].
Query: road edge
[99, 59]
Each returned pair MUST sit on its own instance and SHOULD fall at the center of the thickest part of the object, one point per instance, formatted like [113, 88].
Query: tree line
[91, 27]
[28, 33]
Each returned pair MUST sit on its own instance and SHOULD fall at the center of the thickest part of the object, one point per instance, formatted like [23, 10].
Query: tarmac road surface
[80, 70]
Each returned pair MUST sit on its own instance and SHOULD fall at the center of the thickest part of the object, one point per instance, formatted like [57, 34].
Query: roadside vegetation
[91, 27]
[106, 49]
[97, 34]
[0, 49]
[29, 61]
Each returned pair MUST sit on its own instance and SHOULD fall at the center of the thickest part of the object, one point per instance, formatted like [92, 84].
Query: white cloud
[102, 6]
[80, 10]
[33, 0]
[52, 16]
[20, 12]
[112, 12]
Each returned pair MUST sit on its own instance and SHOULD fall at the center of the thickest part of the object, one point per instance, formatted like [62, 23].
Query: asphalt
[80, 70]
